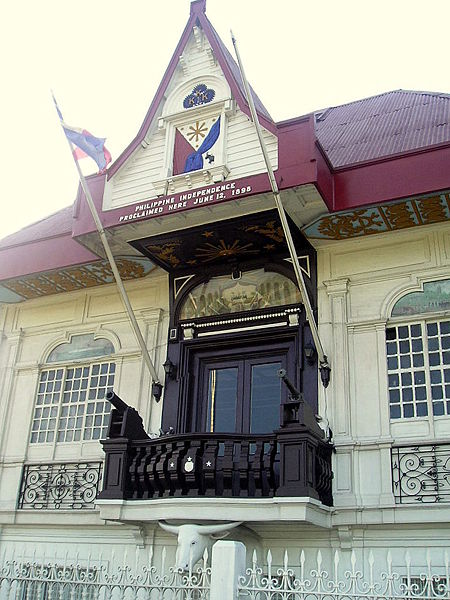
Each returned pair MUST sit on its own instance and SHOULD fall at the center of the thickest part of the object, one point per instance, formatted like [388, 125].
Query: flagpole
[115, 270]
[324, 367]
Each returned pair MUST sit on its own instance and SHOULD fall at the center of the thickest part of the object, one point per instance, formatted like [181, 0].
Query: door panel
[241, 396]
[265, 397]
[222, 399]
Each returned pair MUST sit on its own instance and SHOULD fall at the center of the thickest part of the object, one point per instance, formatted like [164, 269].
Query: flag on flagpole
[86, 143]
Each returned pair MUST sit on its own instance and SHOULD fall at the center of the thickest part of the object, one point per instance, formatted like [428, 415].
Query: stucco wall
[359, 282]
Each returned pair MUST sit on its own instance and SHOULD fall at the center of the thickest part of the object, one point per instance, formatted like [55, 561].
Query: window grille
[418, 361]
[70, 404]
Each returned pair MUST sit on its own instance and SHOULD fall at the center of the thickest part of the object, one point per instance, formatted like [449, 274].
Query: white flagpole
[323, 360]
[115, 270]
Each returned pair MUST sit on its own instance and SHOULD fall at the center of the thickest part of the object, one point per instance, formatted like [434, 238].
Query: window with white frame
[70, 401]
[418, 359]
[418, 354]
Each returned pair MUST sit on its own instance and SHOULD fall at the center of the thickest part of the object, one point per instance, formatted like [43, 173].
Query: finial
[198, 6]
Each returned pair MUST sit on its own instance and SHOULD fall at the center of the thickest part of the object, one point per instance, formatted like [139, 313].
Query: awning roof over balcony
[231, 241]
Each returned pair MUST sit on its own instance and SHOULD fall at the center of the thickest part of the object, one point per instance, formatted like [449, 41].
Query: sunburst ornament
[197, 132]
[223, 250]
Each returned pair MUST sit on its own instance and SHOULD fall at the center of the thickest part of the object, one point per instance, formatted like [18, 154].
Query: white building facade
[205, 265]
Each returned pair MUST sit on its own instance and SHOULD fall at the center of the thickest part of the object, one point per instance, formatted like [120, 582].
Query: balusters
[191, 467]
[255, 469]
[159, 471]
[135, 481]
[243, 467]
[227, 468]
[209, 473]
[202, 465]
[145, 471]
[267, 471]
[175, 470]
[171, 469]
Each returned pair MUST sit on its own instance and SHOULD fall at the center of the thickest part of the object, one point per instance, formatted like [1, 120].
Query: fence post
[227, 564]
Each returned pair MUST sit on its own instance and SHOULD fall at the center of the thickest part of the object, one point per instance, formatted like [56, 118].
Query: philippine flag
[86, 143]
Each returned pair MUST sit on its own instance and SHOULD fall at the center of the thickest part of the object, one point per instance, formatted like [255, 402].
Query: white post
[227, 564]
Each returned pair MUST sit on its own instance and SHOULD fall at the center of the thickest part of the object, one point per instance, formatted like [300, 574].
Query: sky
[104, 60]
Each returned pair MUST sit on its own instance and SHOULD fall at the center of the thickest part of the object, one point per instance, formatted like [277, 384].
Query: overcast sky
[105, 58]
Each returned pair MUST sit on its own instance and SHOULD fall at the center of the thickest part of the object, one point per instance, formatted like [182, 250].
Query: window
[229, 386]
[418, 360]
[70, 404]
[240, 391]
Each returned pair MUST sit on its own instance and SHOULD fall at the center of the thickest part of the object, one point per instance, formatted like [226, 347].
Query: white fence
[66, 580]
[296, 583]
[227, 579]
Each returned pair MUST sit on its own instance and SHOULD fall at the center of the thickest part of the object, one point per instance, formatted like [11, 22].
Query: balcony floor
[308, 510]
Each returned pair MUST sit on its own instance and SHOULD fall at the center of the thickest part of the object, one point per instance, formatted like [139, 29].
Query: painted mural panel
[255, 289]
[435, 297]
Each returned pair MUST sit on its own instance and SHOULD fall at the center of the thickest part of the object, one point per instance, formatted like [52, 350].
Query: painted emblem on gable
[193, 141]
[199, 95]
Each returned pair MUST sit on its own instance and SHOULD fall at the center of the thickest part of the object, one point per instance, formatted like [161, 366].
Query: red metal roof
[54, 225]
[389, 124]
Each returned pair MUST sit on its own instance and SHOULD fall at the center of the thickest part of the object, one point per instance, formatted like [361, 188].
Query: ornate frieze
[76, 278]
[411, 212]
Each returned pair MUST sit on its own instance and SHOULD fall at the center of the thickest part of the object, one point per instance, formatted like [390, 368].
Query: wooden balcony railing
[293, 461]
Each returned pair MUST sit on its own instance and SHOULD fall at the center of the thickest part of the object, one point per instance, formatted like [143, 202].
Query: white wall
[359, 282]
[34, 327]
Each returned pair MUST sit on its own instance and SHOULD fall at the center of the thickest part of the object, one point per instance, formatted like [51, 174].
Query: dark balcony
[293, 461]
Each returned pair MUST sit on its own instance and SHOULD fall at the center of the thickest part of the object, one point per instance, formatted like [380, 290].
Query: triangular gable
[226, 63]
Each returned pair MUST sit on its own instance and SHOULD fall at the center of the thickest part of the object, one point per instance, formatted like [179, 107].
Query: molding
[151, 315]
[50, 518]
[239, 329]
[364, 327]
[393, 514]
[139, 535]
[307, 510]
[336, 286]
[369, 444]
[345, 535]
[187, 181]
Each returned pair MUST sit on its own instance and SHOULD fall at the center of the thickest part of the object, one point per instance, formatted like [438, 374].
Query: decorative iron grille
[60, 486]
[421, 474]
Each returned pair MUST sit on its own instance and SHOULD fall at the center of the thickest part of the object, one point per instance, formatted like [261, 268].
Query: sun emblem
[197, 132]
[222, 250]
